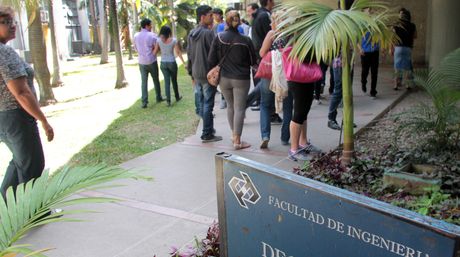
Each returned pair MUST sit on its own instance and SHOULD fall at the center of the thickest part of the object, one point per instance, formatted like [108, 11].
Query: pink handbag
[265, 67]
[300, 72]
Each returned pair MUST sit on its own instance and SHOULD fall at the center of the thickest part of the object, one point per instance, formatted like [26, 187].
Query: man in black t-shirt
[406, 32]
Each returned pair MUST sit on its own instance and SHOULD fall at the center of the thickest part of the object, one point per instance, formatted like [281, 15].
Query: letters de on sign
[271, 213]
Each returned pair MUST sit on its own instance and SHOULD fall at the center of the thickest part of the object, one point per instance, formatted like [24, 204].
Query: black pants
[370, 61]
[18, 130]
[302, 94]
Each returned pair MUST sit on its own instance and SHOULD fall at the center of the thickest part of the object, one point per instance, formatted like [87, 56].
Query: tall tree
[38, 51]
[325, 32]
[124, 22]
[56, 80]
[37, 47]
[95, 27]
[121, 80]
[105, 33]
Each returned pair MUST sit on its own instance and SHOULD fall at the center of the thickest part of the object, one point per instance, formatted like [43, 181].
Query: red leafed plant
[207, 247]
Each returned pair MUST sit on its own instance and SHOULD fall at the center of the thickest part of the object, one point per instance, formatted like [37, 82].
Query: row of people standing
[236, 53]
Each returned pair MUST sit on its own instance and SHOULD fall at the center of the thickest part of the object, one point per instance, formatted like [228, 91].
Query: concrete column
[445, 29]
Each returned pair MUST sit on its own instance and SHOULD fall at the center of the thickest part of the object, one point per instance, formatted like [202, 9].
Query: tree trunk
[95, 30]
[121, 80]
[38, 51]
[105, 33]
[173, 16]
[135, 19]
[347, 92]
[125, 29]
[56, 81]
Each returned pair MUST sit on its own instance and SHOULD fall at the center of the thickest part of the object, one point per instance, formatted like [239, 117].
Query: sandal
[241, 145]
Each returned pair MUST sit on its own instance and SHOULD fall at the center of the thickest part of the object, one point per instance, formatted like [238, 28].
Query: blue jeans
[336, 96]
[204, 103]
[267, 99]
[287, 117]
[18, 130]
[153, 70]
[169, 70]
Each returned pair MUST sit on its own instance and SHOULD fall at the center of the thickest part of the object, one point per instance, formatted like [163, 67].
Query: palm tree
[442, 85]
[37, 47]
[95, 27]
[56, 80]
[316, 28]
[38, 51]
[124, 22]
[105, 33]
[121, 80]
[27, 206]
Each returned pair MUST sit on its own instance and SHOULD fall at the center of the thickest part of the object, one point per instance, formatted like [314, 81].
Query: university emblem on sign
[244, 190]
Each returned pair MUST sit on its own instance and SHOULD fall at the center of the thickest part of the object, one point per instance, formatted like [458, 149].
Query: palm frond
[321, 31]
[28, 207]
[450, 68]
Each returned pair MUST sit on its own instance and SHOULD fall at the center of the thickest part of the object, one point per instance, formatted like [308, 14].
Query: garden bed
[388, 146]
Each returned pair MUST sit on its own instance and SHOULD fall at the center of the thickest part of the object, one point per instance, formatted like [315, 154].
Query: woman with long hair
[235, 53]
[169, 48]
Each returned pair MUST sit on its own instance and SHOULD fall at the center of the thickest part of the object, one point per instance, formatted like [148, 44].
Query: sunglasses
[9, 22]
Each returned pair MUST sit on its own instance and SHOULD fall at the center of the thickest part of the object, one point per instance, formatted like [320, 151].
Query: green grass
[139, 131]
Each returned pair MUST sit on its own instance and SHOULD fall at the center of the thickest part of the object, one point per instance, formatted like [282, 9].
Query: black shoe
[276, 120]
[168, 103]
[333, 125]
[160, 100]
[255, 108]
[144, 105]
[178, 98]
[210, 138]
[364, 88]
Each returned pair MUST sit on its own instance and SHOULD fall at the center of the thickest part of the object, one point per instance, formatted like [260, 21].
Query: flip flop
[241, 145]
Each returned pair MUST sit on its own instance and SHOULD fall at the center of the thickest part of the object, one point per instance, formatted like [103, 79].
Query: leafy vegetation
[440, 117]
[317, 30]
[207, 247]
[29, 206]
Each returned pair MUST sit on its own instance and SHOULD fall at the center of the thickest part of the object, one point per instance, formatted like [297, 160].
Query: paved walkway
[181, 201]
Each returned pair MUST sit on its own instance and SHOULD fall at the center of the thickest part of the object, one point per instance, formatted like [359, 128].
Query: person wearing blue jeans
[169, 48]
[198, 46]
[205, 94]
[287, 117]
[267, 98]
[336, 98]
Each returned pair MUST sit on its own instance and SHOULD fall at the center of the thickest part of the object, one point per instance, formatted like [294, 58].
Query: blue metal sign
[272, 213]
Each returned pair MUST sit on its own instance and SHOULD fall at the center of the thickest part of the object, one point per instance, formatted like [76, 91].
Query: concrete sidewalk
[181, 201]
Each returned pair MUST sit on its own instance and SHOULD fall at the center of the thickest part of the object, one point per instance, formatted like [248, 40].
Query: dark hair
[348, 4]
[232, 19]
[202, 10]
[254, 6]
[145, 22]
[217, 11]
[244, 21]
[229, 9]
[263, 3]
[405, 14]
[165, 31]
